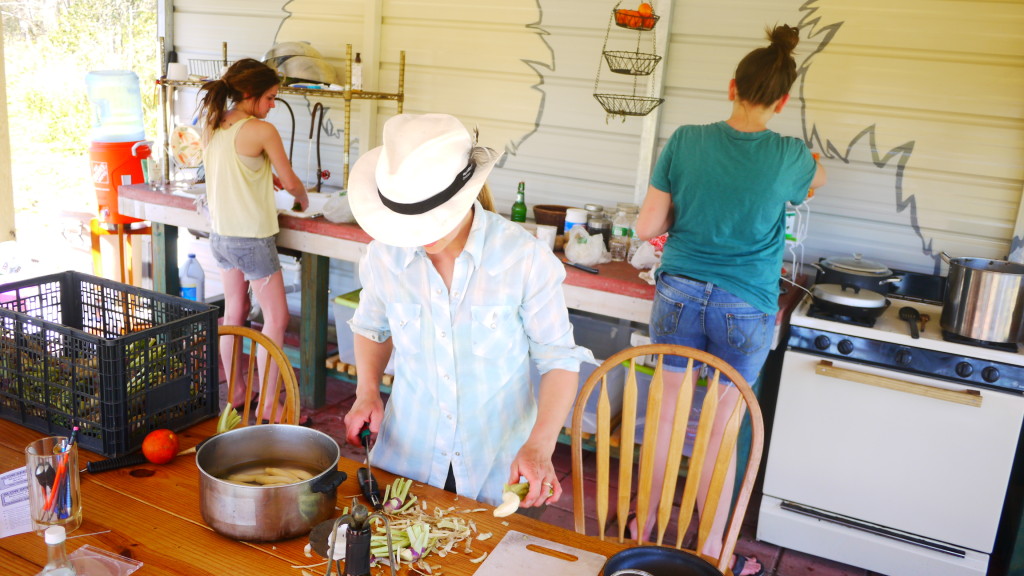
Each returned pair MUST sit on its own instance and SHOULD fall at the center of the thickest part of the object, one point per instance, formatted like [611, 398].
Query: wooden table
[155, 518]
[616, 291]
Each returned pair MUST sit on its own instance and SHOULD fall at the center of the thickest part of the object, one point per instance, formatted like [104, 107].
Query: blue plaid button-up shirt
[462, 393]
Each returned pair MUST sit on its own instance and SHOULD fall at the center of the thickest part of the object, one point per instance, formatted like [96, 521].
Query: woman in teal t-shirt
[720, 191]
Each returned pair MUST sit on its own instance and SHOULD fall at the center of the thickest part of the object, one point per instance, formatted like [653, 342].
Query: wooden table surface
[151, 513]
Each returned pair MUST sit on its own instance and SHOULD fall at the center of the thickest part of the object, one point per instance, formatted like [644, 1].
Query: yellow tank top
[241, 199]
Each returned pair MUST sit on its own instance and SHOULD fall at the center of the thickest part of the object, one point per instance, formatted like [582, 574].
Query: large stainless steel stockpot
[984, 299]
[268, 513]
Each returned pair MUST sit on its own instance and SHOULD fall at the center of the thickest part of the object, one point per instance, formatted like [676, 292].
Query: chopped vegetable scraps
[417, 532]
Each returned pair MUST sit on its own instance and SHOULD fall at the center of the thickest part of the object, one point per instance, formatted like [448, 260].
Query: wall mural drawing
[910, 112]
[529, 63]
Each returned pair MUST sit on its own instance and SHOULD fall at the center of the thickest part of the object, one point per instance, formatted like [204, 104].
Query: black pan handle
[115, 463]
[329, 482]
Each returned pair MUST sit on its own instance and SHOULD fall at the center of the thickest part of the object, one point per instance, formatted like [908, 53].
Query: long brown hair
[246, 78]
[486, 199]
[766, 74]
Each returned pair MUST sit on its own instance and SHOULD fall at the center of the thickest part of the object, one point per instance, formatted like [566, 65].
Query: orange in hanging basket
[633, 20]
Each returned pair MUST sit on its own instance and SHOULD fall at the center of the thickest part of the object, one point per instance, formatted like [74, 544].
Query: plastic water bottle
[57, 562]
[634, 240]
[117, 106]
[618, 244]
[193, 280]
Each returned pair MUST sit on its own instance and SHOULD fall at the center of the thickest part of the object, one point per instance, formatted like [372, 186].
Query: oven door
[915, 455]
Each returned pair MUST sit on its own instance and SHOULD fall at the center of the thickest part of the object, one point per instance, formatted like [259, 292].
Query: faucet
[316, 123]
[291, 142]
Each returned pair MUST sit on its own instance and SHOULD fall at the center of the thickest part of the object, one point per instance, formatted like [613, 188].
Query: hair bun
[784, 37]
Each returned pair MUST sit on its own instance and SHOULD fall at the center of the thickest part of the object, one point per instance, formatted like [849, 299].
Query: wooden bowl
[550, 214]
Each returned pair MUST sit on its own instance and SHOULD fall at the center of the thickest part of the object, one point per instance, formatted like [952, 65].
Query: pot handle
[329, 482]
[945, 257]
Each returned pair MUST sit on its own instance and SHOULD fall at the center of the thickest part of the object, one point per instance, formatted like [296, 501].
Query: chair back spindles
[604, 452]
[257, 380]
[630, 395]
[616, 432]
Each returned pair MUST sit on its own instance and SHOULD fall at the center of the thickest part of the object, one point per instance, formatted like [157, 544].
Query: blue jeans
[703, 316]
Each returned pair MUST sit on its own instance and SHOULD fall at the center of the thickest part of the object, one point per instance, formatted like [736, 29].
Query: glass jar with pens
[51, 465]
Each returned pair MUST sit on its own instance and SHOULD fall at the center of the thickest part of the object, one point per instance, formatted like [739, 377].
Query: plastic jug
[192, 279]
[117, 106]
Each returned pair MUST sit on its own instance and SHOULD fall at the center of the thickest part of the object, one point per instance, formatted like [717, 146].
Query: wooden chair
[248, 338]
[606, 439]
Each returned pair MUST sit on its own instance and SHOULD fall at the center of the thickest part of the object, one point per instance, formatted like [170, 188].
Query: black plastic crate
[116, 360]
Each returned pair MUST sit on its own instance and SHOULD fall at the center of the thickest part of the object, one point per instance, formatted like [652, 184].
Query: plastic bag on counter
[645, 257]
[338, 211]
[586, 249]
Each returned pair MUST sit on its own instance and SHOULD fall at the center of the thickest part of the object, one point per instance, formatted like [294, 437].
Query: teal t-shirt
[729, 193]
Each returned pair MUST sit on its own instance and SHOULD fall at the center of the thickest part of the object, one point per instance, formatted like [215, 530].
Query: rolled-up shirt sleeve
[370, 319]
[546, 317]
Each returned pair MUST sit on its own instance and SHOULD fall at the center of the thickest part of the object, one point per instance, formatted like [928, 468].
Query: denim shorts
[703, 316]
[255, 257]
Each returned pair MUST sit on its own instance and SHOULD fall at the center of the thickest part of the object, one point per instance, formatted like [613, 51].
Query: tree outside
[50, 46]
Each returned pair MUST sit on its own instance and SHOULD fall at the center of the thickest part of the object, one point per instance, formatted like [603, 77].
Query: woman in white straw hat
[465, 299]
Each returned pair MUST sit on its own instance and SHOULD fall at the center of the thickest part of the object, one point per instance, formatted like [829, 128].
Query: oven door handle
[965, 397]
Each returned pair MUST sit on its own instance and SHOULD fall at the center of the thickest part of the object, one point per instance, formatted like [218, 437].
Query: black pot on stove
[855, 271]
[849, 300]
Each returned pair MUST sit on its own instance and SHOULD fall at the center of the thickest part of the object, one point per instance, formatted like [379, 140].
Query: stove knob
[964, 370]
[845, 347]
[903, 357]
[822, 342]
[990, 374]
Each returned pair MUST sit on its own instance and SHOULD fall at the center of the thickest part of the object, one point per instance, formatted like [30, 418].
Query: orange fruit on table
[160, 446]
[645, 10]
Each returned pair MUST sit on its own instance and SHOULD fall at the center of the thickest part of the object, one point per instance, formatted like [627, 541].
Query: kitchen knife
[581, 267]
[368, 484]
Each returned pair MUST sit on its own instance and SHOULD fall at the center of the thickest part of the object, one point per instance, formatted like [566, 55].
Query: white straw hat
[415, 189]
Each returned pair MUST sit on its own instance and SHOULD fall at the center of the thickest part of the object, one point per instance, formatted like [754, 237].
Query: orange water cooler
[117, 152]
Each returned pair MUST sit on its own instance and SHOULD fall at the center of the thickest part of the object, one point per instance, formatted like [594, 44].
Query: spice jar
[593, 211]
[602, 225]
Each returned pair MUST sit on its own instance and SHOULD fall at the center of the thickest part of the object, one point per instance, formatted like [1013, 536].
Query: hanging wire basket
[627, 105]
[633, 63]
[633, 20]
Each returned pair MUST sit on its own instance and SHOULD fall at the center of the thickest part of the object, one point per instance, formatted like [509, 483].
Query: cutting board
[519, 554]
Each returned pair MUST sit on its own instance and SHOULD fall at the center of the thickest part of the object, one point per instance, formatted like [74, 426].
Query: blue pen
[64, 490]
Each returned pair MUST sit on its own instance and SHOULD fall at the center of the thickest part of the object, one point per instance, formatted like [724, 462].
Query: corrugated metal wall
[918, 105]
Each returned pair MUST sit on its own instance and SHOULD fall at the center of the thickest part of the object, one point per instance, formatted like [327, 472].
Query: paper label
[14, 513]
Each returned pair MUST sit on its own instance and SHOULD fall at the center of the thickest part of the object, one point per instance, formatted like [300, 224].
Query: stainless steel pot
[267, 513]
[984, 299]
[855, 271]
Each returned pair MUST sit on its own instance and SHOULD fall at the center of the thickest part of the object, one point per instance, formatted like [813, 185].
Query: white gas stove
[889, 452]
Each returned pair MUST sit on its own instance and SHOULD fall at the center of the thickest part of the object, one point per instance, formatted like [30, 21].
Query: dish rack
[209, 69]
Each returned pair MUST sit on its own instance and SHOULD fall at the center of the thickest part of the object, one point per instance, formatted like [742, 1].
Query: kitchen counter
[616, 291]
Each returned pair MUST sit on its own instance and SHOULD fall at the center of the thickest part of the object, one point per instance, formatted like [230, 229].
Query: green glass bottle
[519, 208]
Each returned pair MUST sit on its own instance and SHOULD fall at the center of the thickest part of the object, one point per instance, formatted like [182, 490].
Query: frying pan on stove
[849, 300]
[658, 561]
